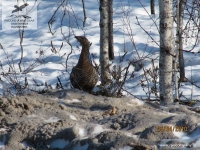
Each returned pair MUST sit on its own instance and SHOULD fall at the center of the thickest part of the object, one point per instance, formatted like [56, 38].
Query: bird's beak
[78, 38]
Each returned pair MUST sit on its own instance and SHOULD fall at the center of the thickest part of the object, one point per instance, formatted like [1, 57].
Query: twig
[67, 40]
[60, 83]
[146, 31]
[84, 13]
[52, 19]
[124, 79]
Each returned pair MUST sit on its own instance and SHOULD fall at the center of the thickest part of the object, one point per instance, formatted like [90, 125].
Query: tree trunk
[111, 49]
[152, 7]
[166, 52]
[21, 35]
[104, 40]
[84, 13]
[180, 41]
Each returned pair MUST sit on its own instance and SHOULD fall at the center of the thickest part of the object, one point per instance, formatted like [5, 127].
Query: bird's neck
[84, 58]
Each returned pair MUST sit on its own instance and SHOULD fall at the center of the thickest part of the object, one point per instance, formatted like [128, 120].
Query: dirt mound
[73, 120]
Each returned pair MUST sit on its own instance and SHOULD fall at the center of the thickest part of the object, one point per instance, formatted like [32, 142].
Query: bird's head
[83, 41]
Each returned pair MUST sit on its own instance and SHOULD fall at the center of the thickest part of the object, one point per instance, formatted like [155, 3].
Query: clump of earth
[73, 120]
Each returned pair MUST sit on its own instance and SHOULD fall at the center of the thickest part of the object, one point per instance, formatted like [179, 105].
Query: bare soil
[90, 122]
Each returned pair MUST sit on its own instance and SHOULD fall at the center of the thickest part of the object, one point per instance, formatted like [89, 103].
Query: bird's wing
[16, 6]
[16, 10]
[23, 6]
[25, 16]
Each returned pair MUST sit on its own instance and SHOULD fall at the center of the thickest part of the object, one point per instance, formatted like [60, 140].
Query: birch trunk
[166, 52]
[104, 40]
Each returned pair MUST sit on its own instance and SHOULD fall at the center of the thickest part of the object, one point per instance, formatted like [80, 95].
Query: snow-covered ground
[42, 65]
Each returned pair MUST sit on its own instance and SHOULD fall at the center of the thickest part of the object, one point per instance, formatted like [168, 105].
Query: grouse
[84, 76]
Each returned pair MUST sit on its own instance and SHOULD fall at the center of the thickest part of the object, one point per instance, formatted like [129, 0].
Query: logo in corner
[19, 15]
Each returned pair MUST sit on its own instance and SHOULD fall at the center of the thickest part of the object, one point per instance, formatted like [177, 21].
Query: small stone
[95, 140]
[2, 113]
[115, 126]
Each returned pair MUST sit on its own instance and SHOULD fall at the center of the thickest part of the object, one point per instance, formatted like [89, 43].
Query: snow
[72, 117]
[25, 144]
[2, 143]
[135, 102]
[86, 131]
[126, 148]
[73, 101]
[197, 143]
[82, 132]
[3, 129]
[179, 134]
[32, 116]
[38, 41]
[79, 147]
[52, 119]
[98, 129]
[59, 143]
[132, 135]
[197, 105]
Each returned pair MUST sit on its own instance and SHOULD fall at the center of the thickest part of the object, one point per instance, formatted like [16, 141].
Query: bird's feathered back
[83, 75]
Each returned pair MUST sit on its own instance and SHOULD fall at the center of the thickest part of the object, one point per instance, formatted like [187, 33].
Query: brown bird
[84, 76]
